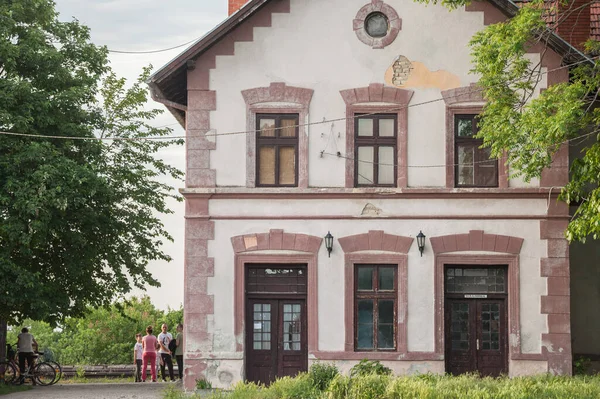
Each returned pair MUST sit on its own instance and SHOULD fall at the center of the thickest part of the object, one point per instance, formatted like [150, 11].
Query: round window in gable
[376, 24]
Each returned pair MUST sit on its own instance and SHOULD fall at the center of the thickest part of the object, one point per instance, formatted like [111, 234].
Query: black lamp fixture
[421, 242]
[329, 243]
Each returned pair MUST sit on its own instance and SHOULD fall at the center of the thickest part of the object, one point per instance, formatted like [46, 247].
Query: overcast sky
[143, 25]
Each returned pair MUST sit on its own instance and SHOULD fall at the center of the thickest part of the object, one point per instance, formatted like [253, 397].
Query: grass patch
[6, 389]
[427, 386]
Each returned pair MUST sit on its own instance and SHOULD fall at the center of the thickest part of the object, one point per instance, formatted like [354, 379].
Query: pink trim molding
[245, 245]
[201, 101]
[454, 98]
[476, 240]
[198, 268]
[395, 24]
[278, 98]
[514, 326]
[357, 100]
[396, 247]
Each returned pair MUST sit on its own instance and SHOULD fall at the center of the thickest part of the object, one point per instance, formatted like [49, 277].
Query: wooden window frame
[375, 141]
[277, 142]
[474, 142]
[375, 295]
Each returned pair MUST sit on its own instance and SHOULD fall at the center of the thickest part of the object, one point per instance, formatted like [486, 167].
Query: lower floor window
[375, 301]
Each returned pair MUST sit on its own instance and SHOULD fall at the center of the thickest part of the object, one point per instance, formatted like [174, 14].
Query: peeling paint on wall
[404, 73]
[370, 210]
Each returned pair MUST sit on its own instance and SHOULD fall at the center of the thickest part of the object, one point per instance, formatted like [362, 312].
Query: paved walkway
[145, 390]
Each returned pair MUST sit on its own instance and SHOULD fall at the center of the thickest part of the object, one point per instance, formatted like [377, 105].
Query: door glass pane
[287, 165]
[288, 128]
[386, 278]
[266, 167]
[261, 326]
[386, 127]
[459, 330]
[475, 280]
[386, 165]
[465, 127]
[365, 127]
[365, 278]
[365, 165]
[292, 327]
[490, 326]
[267, 128]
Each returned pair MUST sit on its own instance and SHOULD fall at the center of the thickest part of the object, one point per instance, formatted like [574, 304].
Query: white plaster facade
[313, 46]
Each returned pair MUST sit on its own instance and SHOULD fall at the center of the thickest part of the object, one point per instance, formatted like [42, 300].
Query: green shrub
[299, 387]
[368, 386]
[201, 383]
[366, 367]
[247, 390]
[321, 374]
[338, 387]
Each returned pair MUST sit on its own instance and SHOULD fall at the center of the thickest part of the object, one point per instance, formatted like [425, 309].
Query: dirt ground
[147, 390]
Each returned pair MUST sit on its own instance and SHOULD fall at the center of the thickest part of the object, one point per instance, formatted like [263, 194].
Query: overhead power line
[151, 51]
[472, 89]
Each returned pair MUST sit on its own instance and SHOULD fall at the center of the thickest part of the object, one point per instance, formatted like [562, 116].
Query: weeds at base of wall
[427, 386]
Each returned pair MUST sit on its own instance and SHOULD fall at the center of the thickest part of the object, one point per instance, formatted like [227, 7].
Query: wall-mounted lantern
[421, 242]
[329, 243]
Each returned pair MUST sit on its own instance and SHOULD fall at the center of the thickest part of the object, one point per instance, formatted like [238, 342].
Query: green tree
[531, 130]
[79, 217]
[104, 335]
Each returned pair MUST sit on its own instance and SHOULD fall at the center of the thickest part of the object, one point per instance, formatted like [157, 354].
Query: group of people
[147, 347]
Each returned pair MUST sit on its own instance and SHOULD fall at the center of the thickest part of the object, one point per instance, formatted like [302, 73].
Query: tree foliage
[79, 217]
[529, 127]
[103, 335]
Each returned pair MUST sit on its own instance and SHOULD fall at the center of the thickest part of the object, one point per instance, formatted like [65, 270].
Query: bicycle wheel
[8, 373]
[44, 374]
[57, 368]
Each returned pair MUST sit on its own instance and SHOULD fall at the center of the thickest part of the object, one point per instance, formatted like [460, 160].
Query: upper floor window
[375, 142]
[472, 165]
[375, 300]
[277, 150]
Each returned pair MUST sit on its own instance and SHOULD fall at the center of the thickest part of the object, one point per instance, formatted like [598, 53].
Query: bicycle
[57, 367]
[41, 373]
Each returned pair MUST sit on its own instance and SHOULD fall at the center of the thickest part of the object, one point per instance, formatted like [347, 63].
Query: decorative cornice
[476, 240]
[276, 240]
[375, 240]
[376, 93]
[278, 92]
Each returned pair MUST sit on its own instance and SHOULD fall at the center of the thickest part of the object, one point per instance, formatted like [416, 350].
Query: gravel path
[95, 391]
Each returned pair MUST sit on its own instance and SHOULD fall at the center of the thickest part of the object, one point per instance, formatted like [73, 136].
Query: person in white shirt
[165, 354]
[138, 351]
[25, 343]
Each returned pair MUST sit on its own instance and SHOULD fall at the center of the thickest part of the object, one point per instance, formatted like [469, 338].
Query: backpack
[173, 345]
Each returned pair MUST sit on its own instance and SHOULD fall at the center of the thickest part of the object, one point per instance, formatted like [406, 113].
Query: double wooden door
[476, 336]
[275, 339]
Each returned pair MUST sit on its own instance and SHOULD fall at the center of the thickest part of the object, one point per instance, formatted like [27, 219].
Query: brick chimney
[575, 22]
[235, 5]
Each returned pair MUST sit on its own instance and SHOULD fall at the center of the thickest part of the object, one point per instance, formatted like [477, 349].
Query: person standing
[138, 351]
[165, 354]
[179, 350]
[25, 343]
[149, 344]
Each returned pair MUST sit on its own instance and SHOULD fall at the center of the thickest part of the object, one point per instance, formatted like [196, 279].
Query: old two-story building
[339, 207]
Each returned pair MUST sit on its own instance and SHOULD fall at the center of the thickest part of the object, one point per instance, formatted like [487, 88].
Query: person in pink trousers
[149, 344]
